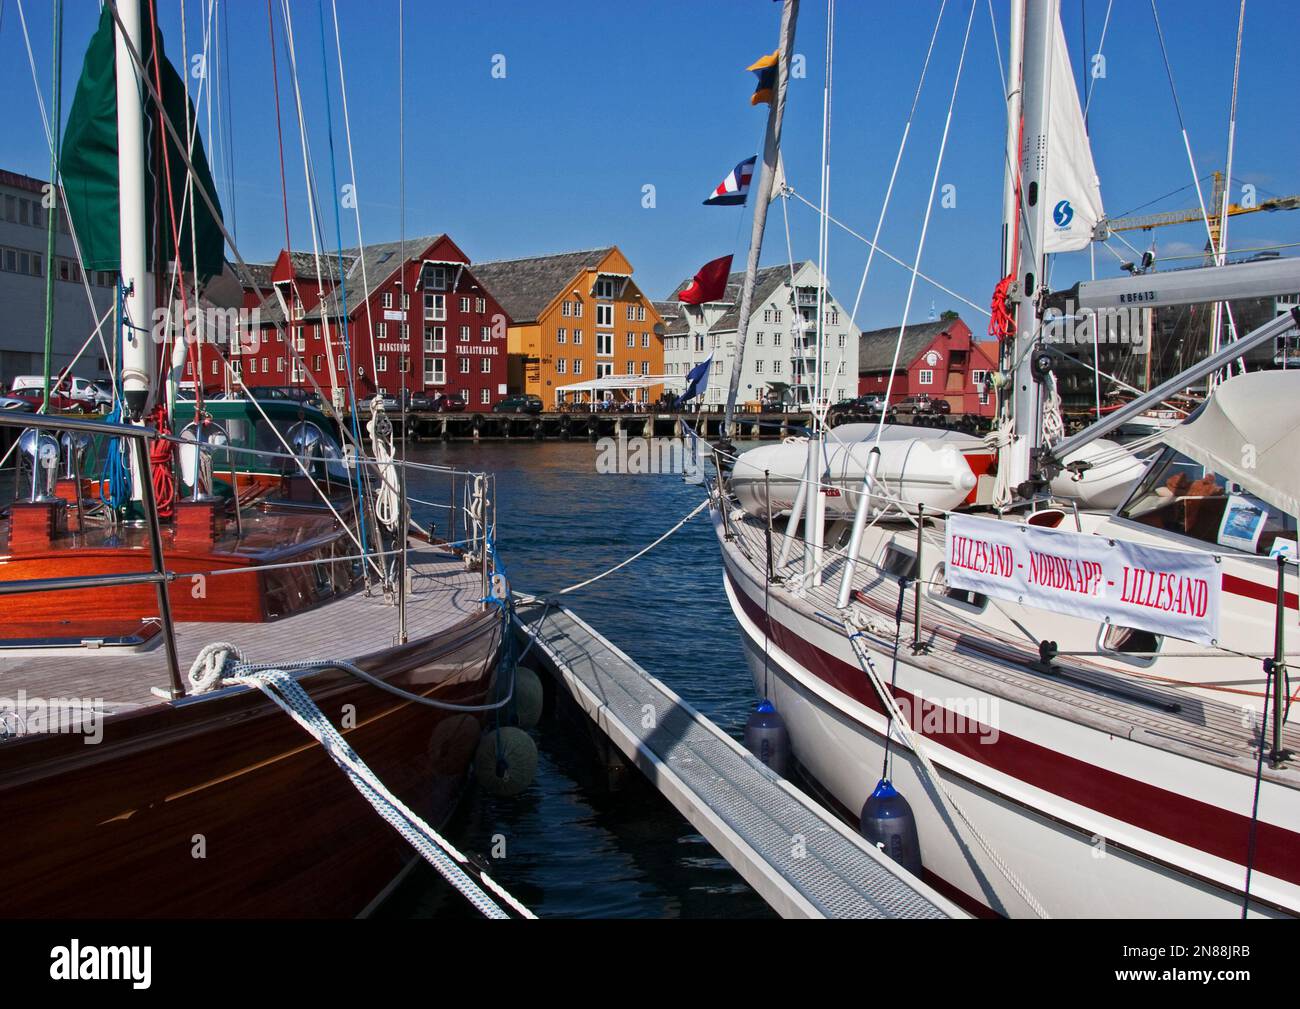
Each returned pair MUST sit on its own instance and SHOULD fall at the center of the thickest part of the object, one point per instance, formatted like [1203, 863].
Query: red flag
[710, 284]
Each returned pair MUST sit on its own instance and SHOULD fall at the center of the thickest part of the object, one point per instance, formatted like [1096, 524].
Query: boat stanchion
[918, 646]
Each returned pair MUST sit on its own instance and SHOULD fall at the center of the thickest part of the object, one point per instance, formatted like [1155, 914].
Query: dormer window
[605, 288]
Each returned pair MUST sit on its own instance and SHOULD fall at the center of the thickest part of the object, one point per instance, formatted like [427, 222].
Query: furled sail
[1072, 188]
[89, 163]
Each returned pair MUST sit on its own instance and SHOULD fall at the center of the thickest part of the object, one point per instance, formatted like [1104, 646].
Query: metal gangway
[799, 857]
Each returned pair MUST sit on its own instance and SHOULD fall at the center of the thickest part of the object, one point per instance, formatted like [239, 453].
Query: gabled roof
[381, 261]
[876, 348]
[258, 276]
[766, 281]
[524, 287]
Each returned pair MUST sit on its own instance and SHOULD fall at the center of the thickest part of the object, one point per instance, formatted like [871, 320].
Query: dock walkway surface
[798, 856]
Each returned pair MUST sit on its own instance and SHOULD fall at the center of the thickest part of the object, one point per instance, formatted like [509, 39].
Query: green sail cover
[89, 162]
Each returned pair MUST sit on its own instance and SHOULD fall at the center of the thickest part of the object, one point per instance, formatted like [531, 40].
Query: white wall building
[22, 289]
[780, 348]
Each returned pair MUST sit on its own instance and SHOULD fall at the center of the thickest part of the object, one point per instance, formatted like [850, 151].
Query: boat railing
[470, 529]
[158, 576]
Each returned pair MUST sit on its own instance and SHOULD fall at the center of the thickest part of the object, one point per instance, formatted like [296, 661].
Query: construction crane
[1146, 222]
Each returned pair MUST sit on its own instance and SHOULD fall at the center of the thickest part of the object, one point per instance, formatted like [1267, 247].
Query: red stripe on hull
[1208, 828]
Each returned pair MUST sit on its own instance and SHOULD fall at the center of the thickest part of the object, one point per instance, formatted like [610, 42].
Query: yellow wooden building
[576, 316]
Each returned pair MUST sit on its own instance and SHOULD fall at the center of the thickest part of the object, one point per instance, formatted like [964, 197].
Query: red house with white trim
[940, 359]
[416, 317]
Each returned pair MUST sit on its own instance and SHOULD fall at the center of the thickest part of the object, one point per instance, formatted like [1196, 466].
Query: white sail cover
[1249, 432]
[1072, 188]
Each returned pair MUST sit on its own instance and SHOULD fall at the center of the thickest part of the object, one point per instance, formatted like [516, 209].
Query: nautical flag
[764, 68]
[732, 190]
[697, 381]
[709, 284]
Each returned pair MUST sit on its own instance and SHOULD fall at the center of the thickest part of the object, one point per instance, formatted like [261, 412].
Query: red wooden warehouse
[416, 317]
[939, 359]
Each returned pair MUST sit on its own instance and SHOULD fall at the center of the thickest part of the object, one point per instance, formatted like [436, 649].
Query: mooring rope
[222, 663]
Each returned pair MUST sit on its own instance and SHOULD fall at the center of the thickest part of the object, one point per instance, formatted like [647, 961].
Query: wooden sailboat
[130, 791]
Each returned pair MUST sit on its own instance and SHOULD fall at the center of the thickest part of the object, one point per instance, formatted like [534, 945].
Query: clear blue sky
[602, 98]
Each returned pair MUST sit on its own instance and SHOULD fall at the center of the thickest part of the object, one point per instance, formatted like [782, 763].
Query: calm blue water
[574, 846]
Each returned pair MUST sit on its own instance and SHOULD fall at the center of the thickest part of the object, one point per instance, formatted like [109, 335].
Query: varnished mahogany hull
[221, 805]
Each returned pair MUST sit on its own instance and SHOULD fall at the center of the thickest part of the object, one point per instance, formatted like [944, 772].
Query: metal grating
[836, 873]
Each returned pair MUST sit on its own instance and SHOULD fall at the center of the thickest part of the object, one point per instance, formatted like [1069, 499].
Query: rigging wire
[925, 224]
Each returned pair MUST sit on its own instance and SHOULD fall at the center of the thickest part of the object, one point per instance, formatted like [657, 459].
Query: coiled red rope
[1002, 321]
[160, 466]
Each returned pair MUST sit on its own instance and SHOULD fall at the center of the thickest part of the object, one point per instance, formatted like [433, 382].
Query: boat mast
[762, 197]
[138, 358]
[1037, 19]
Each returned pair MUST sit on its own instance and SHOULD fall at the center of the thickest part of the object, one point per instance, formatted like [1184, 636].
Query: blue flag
[697, 381]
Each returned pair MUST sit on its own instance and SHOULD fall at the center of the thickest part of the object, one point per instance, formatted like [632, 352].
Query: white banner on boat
[1173, 592]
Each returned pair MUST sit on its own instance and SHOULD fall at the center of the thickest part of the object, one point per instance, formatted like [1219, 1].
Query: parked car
[519, 403]
[420, 400]
[32, 389]
[922, 405]
[449, 402]
[13, 404]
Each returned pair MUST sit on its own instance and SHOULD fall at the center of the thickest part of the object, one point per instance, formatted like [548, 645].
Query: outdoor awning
[1249, 432]
[613, 383]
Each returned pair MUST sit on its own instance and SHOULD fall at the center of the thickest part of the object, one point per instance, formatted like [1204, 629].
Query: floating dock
[799, 857]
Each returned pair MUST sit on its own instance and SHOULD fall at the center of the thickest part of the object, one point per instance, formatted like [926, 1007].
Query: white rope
[381, 443]
[210, 670]
[288, 695]
[910, 738]
[1053, 423]
[640, 553]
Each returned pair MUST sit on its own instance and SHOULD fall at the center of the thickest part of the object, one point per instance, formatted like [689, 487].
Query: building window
[464, 365]
[645, 341]
[631, 312]
[406, 302]
[566, 309]
[978, 378]
[485, 396]
[776, 367]
[381, 362]
[604, 344]
[561, 335]
[486, 366]
[645, 367]
[758, 367]
[577, 309]
[577, 337]
[605, 287]
[758, 339]
[561, 365]
[699, 341]
[577, 366]
[464, 334]
[631, 367]
[435, 307]
[387, 300]
[464, 304]
[383, 331]
[480, 305]
[604, 315]
[640, 313]
[436, 278]
[776, 339]
[404, 330]
[631, 340]
[926, 377]
[833, 316]
[485, 333]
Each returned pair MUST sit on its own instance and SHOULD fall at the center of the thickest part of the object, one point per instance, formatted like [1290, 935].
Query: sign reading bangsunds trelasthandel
[1173, 592]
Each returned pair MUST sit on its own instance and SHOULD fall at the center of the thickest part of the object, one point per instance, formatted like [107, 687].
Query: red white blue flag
[732, 190]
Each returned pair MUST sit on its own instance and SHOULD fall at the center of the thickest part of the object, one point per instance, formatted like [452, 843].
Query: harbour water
[575, 847]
